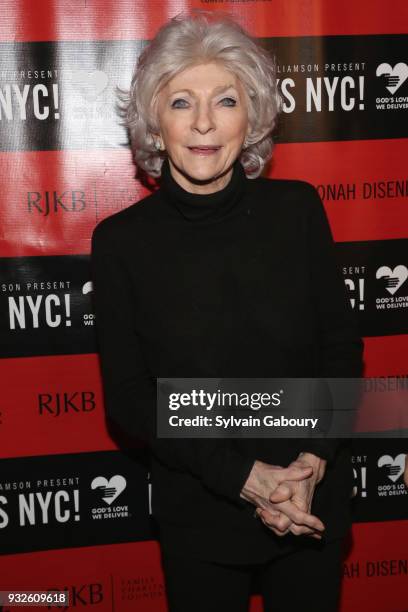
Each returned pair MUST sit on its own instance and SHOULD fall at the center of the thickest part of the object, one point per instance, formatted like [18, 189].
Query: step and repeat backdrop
[65, 164]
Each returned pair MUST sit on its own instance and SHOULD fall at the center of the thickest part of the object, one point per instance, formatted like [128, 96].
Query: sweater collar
[204, 208]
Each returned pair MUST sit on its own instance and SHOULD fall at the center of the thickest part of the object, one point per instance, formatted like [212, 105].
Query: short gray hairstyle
[198, 37]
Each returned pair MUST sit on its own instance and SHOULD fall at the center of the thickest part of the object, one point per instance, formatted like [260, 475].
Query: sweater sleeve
[130, 389]
[339, 343]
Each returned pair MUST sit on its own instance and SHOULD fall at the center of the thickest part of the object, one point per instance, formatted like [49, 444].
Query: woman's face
[204, 105]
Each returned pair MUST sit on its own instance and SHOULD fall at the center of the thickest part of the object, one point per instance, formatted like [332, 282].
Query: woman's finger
[294, 472]
[301, 530]
[283, 492]
[281, 522]
[300, 517]
[265, 504]
[298, 530]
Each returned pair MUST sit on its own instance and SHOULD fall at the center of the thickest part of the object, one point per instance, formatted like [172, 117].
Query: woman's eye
[173, 105]
[230, 100]
[225, 102]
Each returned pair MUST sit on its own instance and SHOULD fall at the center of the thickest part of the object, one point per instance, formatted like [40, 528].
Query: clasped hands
[283, 496]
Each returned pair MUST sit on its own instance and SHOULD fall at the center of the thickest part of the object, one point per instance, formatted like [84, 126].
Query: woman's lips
[204, 151]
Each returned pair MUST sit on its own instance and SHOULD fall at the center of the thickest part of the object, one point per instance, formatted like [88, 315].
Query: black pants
[307, 580]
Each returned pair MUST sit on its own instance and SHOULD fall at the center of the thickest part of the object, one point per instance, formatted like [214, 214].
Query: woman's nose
[203, 118]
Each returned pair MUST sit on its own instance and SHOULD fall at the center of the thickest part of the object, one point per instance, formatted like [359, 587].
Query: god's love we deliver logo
[392, 280]
[109, 491]
[394, 468]
[394, 77]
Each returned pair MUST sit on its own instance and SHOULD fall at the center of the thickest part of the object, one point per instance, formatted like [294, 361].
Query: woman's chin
[202, 169]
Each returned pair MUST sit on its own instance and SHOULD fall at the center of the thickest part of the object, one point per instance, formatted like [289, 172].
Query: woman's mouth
[204, 150]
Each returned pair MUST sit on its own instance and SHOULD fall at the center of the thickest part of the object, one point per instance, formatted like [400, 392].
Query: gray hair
[200, 37]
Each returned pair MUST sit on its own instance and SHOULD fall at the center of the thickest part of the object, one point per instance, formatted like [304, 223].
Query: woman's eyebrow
[215, 90]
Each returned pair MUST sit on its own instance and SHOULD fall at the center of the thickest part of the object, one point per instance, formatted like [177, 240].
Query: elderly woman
[223, 273]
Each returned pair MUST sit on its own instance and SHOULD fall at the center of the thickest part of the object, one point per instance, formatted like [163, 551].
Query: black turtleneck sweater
[242, 282]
